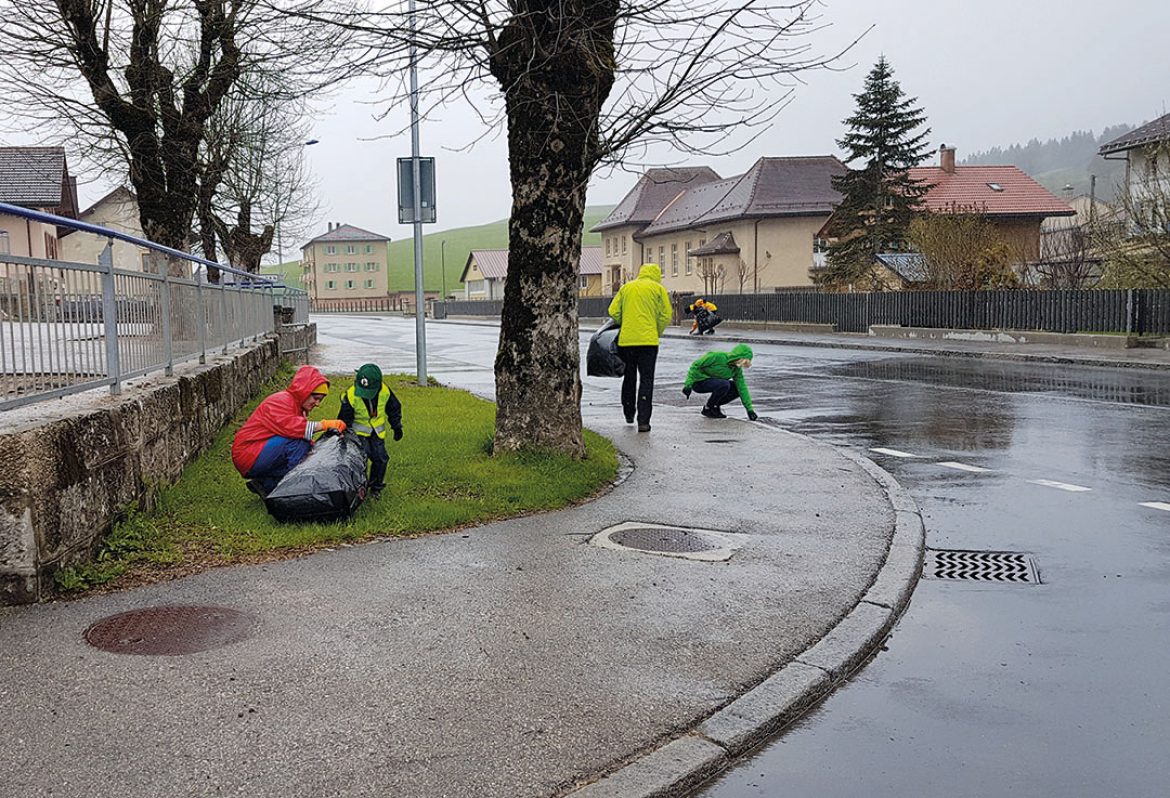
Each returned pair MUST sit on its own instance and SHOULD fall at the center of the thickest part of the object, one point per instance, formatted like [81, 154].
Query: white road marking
[1048, 483]
[892, 452]
[964, 467]
[1157, 505]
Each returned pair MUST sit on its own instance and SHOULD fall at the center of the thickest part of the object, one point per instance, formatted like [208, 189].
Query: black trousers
[638, 382]
[376, 453]
[722, 391]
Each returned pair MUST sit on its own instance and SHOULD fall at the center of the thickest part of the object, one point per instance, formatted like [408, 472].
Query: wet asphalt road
[1056, 689]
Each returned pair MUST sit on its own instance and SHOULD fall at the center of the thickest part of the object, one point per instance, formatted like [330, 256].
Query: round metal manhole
[181, 629]
[664, 539]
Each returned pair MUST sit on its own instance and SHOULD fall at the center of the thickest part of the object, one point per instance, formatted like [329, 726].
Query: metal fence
[69, 327]
[1136, 311]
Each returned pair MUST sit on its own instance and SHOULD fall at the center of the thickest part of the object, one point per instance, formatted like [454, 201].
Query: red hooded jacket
[279, 414]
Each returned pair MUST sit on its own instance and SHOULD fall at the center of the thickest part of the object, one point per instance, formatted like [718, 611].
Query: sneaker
[713, 412]
[374, 493]
[629, 418]
[643, 428]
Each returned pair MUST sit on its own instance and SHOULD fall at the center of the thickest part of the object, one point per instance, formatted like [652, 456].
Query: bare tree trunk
[553, 102]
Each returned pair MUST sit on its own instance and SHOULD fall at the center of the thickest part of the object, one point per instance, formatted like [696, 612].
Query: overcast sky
[992, 72]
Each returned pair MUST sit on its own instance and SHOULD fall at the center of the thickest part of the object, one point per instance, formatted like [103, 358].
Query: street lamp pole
[279, 214]
[443, 265]
[420, 325]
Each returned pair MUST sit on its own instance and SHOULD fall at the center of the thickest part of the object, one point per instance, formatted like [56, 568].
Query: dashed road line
[891, 452]
[1049, 483]
[964, 467]
[1156, 505]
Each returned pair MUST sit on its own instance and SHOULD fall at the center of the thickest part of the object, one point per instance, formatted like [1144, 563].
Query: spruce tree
[879, 199]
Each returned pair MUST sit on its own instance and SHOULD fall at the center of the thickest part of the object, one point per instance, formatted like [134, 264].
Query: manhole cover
[980, 566]
[664, 539]
[669, 541]
[170, 630]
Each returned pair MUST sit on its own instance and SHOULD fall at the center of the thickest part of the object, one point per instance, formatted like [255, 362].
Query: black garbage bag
[709, 321]
[602, 359]
[328, 485]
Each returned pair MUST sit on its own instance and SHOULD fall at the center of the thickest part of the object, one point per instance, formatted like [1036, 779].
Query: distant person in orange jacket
[705, 320]
[278, 435]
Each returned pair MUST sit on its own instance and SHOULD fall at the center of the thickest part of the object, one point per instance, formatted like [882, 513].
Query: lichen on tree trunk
[554, 61]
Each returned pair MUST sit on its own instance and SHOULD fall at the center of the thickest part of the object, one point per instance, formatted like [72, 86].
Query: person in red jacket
[278, 434]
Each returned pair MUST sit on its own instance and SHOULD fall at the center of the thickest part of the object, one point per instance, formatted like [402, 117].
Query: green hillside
[290, 272]
[460, 242]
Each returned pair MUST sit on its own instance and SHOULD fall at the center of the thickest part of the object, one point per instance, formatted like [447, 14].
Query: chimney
[946, 159]
[331, 227]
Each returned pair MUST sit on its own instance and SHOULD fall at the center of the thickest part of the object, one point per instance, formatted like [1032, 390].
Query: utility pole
[420, 323]
[443, 265]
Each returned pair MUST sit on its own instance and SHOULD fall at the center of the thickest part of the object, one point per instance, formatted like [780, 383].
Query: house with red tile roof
[486, 271]
[751, 232]
[1005, 195]
[346, 263]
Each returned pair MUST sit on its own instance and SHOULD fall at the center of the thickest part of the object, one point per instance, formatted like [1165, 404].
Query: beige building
[118, 210]
[750, 233]
[346, 263]
[486, 271]
[36, 178]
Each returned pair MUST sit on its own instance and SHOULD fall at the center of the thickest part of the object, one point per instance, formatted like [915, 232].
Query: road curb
[680, 765]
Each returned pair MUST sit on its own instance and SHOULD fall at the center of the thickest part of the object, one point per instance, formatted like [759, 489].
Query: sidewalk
[1037, 353]
[512, 659]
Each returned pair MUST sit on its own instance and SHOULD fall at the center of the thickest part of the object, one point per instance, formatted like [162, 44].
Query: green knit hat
[368, 382]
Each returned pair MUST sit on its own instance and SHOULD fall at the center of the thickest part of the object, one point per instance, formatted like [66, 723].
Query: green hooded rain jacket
[642, 308]
[718, 365]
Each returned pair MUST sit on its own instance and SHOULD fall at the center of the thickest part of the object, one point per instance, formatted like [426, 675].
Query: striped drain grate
[980, 566]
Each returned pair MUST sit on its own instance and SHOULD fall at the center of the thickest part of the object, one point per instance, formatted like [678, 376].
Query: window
[369, 284]
[351, 267]
[349, 283]
[820, 245]
[330, 249]
[995, 186]
[350, 249]
[369, 249]
[662, 256]
[674, 259]
[330, 267]
[475, 286]
[607, 247]
[371, 266]
[330, 284]
[583, 282]
[624, 239]
[4, 250]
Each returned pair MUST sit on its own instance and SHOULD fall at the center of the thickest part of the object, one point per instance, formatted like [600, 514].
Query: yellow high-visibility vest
[362, 423]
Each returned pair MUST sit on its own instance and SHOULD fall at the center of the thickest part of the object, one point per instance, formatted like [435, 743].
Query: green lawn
[440, 477]
[289, 272]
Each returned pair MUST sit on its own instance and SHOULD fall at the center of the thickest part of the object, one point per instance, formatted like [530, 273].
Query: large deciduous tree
[582, 82]
[884, 140]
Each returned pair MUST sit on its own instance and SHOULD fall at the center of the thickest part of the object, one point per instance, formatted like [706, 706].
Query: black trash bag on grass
[328, 485]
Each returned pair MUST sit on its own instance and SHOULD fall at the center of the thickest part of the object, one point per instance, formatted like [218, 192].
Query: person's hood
[304, 381]
[740, 351]
[652, 271]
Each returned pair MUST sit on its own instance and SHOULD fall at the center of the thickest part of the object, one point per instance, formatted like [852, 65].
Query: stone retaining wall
[70, 467]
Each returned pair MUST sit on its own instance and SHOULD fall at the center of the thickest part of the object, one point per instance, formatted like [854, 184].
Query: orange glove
[332, 424]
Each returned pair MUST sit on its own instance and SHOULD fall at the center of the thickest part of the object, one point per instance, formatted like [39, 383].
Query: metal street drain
[180, 629]
[669, 541]
[980, 566]
[721, 440]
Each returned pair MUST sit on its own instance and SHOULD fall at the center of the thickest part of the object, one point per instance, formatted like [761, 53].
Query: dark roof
[35, 177]
[988, 190]
[1148, 133]
[347, 232]
[493, 263]
[722, 244]
[773, 187]
[653, 192]
[910, 266]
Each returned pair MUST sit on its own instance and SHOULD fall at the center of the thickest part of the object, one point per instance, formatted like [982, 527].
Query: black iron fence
[1137, 311]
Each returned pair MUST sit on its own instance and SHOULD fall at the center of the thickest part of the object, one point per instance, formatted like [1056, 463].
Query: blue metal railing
[68, 326]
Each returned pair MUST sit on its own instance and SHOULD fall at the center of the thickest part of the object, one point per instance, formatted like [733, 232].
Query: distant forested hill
[1067, 161]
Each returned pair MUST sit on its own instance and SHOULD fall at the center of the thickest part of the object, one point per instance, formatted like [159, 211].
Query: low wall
[70, 467]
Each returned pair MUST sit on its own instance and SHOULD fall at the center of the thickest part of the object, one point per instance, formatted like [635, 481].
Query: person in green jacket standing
[721, 375]
[642, 308]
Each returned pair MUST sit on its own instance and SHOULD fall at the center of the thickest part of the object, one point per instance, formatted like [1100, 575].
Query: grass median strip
[441, 476]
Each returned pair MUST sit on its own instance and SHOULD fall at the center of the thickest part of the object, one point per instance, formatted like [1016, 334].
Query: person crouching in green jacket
[721, 375]
[642, 308]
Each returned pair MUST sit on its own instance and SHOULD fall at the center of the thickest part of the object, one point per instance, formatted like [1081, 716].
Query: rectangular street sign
[426, 170]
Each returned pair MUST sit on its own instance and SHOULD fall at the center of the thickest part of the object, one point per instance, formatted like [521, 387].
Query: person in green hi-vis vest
[368, 408]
